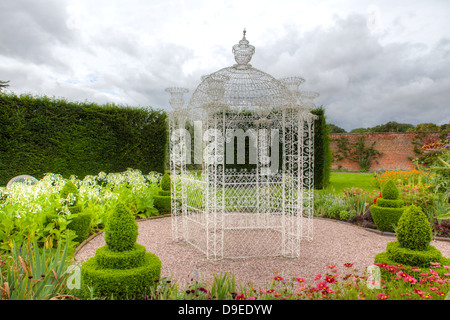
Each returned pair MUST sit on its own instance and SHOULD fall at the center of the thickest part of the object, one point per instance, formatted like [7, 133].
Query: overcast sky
[371, 61]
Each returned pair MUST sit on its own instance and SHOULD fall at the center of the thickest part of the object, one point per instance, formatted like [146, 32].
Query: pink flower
[382, 296]
[278, 278]
[332, 266]
[301, 288]
[434, 289]
[435, 264]
[300, 280]
[251, 298]
[318, 277]
[322, 286]
[419, 292]
[410, 280]
[392, 269]
[402, 274]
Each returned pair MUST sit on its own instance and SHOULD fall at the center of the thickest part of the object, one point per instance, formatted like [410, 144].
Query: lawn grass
[344, 180]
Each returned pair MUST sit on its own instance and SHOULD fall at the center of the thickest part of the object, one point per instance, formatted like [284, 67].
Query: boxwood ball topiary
[121, 229]
[414, 229]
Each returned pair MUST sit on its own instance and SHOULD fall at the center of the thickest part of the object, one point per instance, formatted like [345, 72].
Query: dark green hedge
[322, 152]
[42, 134]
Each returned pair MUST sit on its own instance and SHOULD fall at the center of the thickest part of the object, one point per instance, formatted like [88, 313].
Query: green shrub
[390, 191]
[385, 258]
[109, 259]
[323, 156]
[164, 193]
[165, 182]
[135, 282]
[344, 215]
[69, 189]
[42, 134]
[388, 209]
[414, 230]
[121, 269]
[163, 204]
[387, 203]
[121, 229]
[386, 219]
[81, 224]
[419, 258]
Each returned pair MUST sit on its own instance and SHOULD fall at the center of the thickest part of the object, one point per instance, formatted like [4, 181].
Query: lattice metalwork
[254, 194]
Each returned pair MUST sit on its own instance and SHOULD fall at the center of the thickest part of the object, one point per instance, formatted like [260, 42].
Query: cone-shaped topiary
[165, 182]
[388, 209]
[412, 247]
[121, 229]
[414, 229]
[390, 191]
[122, 269]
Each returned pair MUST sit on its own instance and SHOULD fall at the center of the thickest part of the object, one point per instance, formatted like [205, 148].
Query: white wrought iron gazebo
[253, 137]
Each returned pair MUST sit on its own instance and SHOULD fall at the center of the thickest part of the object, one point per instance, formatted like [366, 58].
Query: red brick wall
[396, 150]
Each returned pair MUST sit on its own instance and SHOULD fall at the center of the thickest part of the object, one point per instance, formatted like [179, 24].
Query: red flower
[240, 297]
[348, 265]
[278, 278]
[375, 200]
[330, 279]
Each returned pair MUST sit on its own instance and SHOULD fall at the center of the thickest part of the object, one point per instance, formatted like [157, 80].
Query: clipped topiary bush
[388, 209]
[163, 204]
[121, 229]
[165, 182]
[390, 191]
[410, 257]
[414, 229]
[81, 224]
[412, 247]
[122, 268]
[164, 193]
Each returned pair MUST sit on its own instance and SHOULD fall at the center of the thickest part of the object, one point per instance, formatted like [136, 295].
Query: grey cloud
[31, 28]
[363, 82]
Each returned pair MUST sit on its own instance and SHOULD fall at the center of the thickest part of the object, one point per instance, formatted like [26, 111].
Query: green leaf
[445, 216]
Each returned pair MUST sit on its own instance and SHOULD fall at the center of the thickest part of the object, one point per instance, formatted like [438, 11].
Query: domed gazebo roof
[242, 87]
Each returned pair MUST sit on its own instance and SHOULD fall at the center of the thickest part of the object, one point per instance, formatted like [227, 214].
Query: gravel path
[334, 243]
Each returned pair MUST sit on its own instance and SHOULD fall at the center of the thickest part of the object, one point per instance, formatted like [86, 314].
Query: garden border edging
[383, 233]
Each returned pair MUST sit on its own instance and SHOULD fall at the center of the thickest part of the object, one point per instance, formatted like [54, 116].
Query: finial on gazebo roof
[243, 53]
